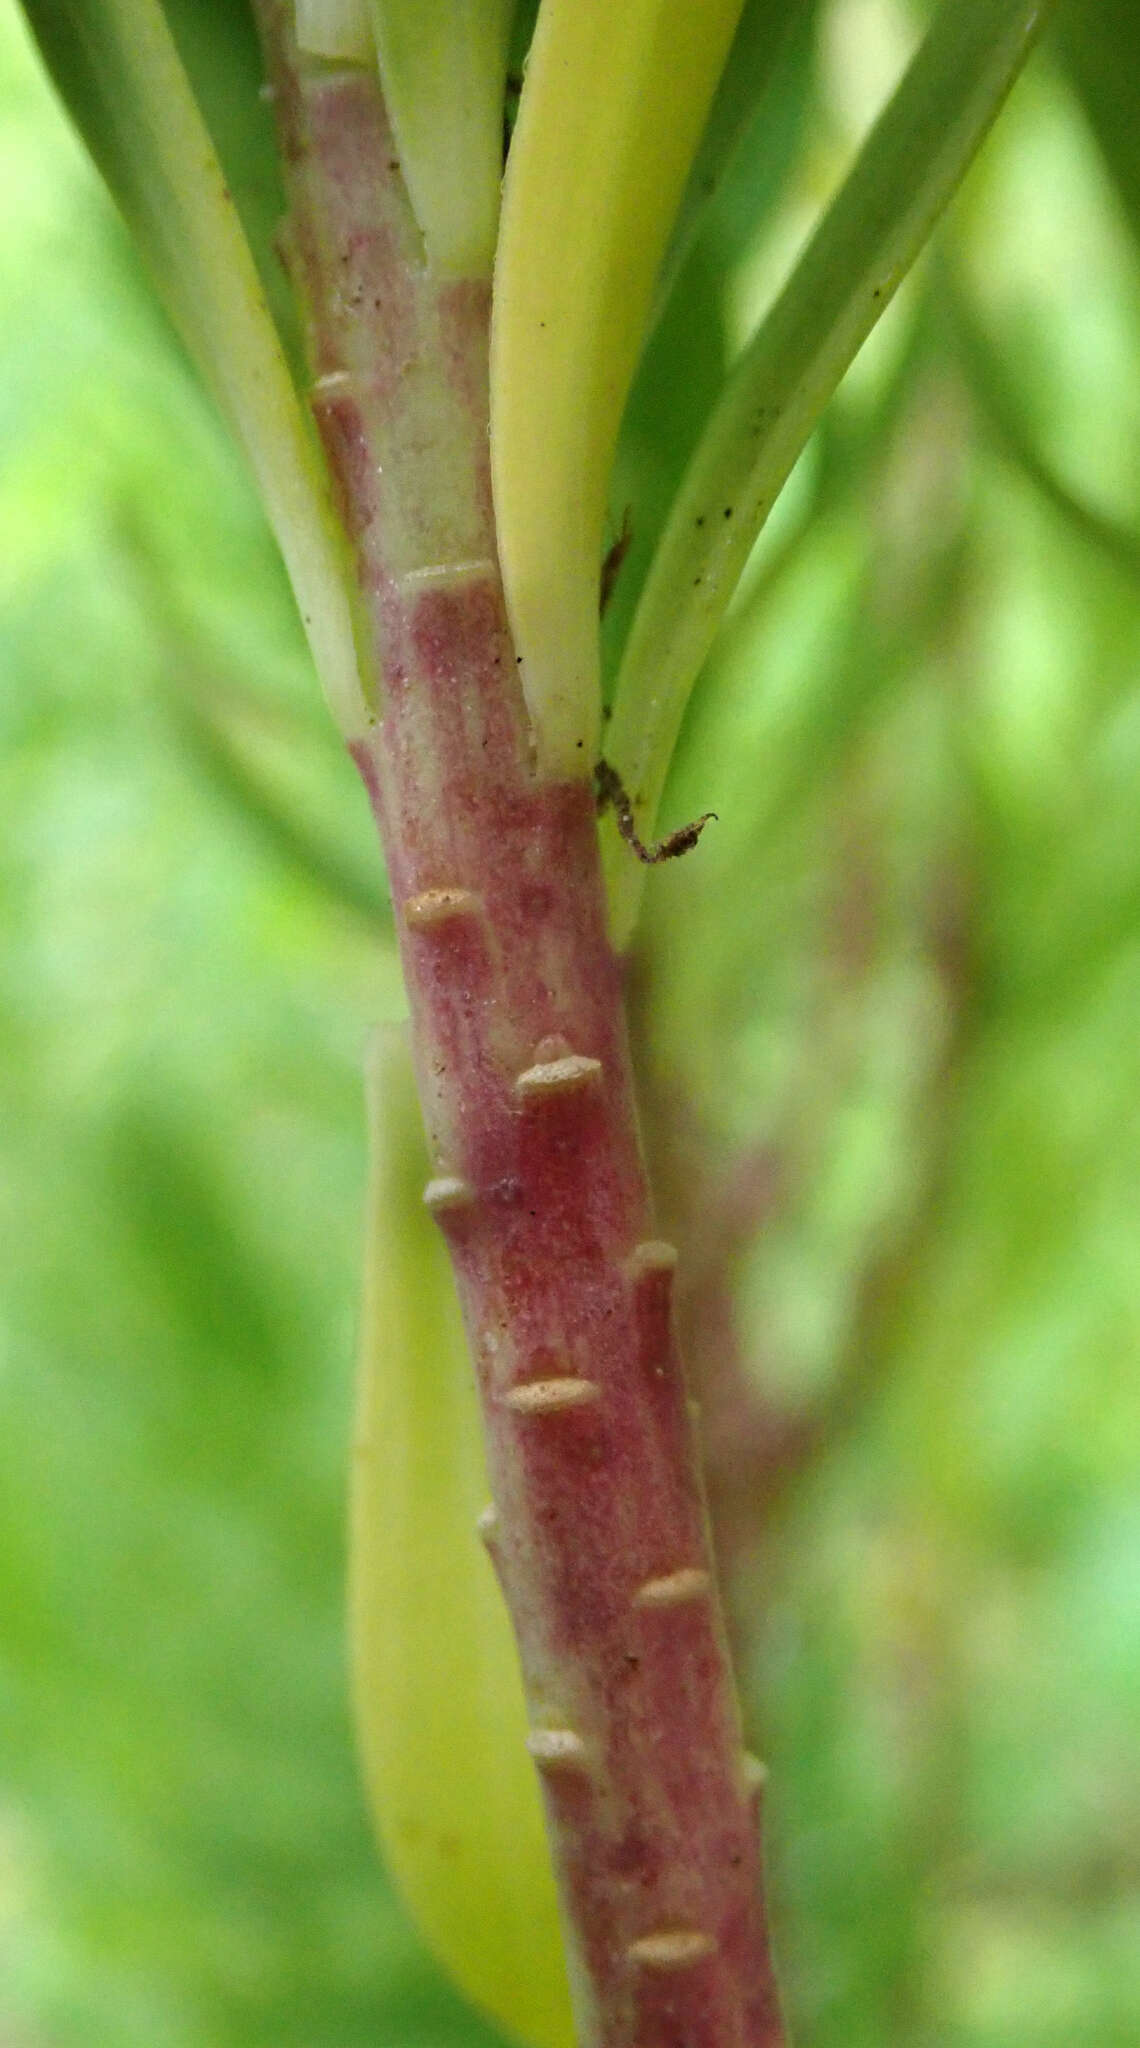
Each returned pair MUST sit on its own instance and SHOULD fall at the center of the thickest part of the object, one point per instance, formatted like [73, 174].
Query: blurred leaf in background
[891, 1007]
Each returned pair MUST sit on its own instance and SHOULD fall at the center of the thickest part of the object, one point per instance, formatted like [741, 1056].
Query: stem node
[673, 1948]
[690, 1583]
[558, 1077]
[448, 1193]
[550, 1397]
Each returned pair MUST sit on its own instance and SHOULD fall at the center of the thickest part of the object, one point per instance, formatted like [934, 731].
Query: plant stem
[598, 1529]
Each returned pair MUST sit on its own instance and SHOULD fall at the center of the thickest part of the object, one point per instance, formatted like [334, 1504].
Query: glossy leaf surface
[439, 1706]
[612, 110]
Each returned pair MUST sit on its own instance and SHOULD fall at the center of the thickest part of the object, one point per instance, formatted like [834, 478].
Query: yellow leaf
[612, 108]
[438, 1699]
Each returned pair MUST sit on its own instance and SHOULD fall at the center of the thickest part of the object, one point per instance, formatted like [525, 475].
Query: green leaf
[878, 223]
[443, 64]
[220, 50]
[239, 777]
[996, 397]
[118, 68]
[612, 109]
[1100, 45]
[758, 45]
[440, 1715]
[688, 353]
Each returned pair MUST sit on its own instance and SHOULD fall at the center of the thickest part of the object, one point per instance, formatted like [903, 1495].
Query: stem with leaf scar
[598, 1529]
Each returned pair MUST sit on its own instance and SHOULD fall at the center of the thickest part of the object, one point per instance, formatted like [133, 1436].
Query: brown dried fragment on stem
[611, 793]
[612, 560]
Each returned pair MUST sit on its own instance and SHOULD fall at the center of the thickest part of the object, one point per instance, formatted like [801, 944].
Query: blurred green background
[895, 999]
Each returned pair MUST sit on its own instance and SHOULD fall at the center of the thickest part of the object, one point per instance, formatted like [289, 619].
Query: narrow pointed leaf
[440, 1716]
[1099, 41]
[118, 69]
[881, 218]
[220, 50]
[443, 64]
[761, 35]
[687, 355]
[612, 109]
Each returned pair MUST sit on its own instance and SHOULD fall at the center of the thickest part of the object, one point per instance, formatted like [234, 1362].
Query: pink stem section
[598, 1528]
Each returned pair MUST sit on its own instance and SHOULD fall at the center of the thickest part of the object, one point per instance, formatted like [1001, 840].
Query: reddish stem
[599, 1529]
